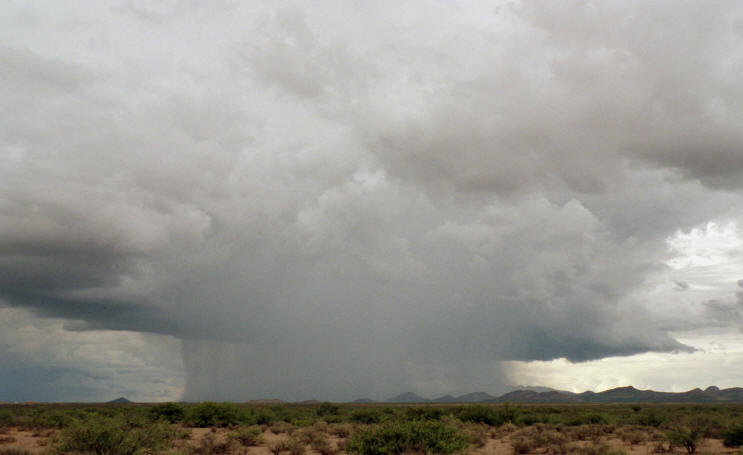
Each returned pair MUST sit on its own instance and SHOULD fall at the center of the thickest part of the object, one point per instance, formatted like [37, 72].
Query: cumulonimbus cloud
[329, 203]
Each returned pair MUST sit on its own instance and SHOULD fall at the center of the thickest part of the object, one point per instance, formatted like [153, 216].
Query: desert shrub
[504, 430]
[327, 409]
[428, 437]
[523, 444]
[248, 436]
[323, 446]
[482, 414]
[477, 435]
[341, 430]
[366, 416]
[423, 414]
[49, 419]
[532, 438]
[172, 412]
[586, 432]
[311, 434]
[551, 438]
[276, 447]
[733, 436]
[13, 451]
[634, 436]
[114, 436]
[6, 418]
[281, 427]
[598, 449]
[650, 418]
[685, 437]
[210, 414]
[264, 417]
[510, 413]
[210, 445]
[588, 419]
[295, 447]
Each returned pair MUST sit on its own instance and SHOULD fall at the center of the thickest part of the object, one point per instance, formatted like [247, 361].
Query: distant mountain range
[628, 394]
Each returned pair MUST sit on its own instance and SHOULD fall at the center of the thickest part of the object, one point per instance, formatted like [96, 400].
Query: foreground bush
[425, 437]
[210, 445]
[114, 436]
[248, 437]
[733, 437]
[685, 437]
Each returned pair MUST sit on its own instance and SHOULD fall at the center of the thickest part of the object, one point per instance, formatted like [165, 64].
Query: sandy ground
[35, 441]
[41, 442]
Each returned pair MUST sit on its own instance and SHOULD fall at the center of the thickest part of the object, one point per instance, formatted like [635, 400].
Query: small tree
[685, 437]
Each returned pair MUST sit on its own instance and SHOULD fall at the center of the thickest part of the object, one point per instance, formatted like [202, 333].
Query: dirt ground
[41, 442]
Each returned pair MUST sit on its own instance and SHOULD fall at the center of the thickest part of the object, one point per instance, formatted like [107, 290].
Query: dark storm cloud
[32, 383]
[324, 202]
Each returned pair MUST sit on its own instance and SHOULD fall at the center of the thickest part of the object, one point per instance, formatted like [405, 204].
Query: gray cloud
[330, 203]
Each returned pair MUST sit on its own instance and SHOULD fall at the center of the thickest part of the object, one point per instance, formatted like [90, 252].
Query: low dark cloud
[329, 203]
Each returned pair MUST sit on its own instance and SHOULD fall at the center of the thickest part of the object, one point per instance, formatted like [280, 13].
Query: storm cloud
[342, 200]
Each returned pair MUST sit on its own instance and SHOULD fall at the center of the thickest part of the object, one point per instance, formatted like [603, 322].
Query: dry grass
[210, 444]
[281, 428]
[478, 435]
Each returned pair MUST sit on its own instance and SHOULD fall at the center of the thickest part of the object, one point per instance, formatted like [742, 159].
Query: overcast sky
[338, 199]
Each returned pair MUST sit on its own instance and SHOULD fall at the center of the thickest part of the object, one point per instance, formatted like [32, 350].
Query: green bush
[423, 414]
[685, 437]
[114, 436]
[6, 418]
[651, 418]
[366, 416]
[172, 412]
[249, 437]
[733, 437]
[588, 419]
[483, 414]
[210, 445]
[394, 438]
[50, 419]
[264, 417]
[210, 414]
[327, 409]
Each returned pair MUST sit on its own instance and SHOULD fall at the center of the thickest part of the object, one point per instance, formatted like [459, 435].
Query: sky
[341, 199]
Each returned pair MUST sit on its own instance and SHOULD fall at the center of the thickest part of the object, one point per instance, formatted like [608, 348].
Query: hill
[626, 394]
